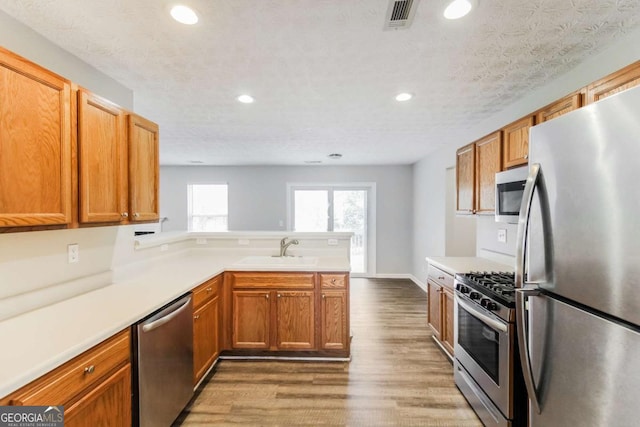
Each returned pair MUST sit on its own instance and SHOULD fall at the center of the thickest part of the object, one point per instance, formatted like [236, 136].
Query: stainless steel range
[486, 364]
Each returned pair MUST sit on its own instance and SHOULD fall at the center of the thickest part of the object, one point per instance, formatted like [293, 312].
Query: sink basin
[268, 261]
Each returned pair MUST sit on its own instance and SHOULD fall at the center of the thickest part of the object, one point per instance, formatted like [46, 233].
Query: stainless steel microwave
[509, 189]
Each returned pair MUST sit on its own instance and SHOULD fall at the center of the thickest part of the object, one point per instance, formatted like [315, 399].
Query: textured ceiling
[324, 73]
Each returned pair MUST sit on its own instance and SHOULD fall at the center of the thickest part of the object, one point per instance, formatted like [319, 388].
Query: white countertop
[454, 265]
[36, 342]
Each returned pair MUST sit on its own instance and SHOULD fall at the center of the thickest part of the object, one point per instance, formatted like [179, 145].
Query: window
[208, 207]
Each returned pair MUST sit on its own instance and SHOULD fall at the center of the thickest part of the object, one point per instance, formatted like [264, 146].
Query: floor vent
[400, 14]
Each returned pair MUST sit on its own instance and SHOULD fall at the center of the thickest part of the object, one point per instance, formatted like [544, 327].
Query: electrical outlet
[164, 248]
[73, 253]
[201, 241]
[243, 242]
[332, 242]
[281, 223]
[502, 235]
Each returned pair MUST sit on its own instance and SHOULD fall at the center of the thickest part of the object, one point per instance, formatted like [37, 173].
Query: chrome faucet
[284, 245]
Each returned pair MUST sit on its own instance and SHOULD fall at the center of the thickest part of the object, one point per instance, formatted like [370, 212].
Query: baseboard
[411, 277]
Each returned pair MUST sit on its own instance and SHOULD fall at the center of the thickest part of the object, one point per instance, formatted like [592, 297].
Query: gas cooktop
[498, 286]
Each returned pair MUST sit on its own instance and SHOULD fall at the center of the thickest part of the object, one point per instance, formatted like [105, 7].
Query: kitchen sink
[266, 261]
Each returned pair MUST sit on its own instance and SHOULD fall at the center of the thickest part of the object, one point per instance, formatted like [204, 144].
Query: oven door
[484, 347]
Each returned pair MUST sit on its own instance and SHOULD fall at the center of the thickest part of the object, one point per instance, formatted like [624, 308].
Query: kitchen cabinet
[560, 107]
[334, 312]
[488, 154]
[206, 326]
[440, 308]
[102, 148]
[144, 161]
[465, 178]
[476, 166]
[289, 311]
[36, 145]
[516, 143]
[93, 387]
[623, 79]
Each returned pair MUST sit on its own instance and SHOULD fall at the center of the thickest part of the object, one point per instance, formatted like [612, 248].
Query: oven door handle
[495, 324]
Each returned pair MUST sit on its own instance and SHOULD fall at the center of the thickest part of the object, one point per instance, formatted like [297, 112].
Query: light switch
[502, 235]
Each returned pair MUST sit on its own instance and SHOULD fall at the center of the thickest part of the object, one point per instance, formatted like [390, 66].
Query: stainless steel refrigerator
[578, 267]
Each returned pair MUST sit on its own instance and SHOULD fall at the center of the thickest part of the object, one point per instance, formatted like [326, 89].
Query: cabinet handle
[89, 369]
[124, 214]
[440, 277]
[526, 156]
[136, 215]
[266, 296]
[209, 289]
[279, 295]
[333, 280]
[196, 317]
[322, 296]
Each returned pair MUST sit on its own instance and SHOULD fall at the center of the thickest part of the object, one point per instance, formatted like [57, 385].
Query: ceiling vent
[400, 14]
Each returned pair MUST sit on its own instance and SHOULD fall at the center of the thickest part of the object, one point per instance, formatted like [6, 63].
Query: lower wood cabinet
[440, 307]
[206, 326]
[94, 387]
[289, 312]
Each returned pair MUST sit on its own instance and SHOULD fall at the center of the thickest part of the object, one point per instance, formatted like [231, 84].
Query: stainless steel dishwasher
[164, 363]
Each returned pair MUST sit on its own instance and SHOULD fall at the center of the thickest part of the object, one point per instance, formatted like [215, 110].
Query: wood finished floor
[397, 375]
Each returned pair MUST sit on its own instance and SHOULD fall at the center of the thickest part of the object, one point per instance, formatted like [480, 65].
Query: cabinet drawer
[440, 277]
[272, 280]
[67, 381]
[206, 291]
[334, 281]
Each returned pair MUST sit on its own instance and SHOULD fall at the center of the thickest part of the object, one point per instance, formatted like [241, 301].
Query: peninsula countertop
[38, 341]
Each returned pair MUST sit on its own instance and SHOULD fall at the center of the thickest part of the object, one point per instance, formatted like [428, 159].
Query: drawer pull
[89, 369]
[279, 296]
[196, 317]
[440, 277]
[209, 289]
[266, 296]
[333, 280]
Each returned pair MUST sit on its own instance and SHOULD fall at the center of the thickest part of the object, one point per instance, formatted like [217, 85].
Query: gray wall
[257, 200]
[24, 41]
[429, 237]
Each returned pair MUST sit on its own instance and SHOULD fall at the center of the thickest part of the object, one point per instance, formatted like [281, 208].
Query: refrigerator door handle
[523, 344]
[523, 223]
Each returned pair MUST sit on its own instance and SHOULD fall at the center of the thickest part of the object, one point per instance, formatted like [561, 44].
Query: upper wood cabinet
[102, 148]
[516, 143]
[488, 155]
[623, 79]
[560, 107]
[143, 169]
[35, 145]
[465, 178]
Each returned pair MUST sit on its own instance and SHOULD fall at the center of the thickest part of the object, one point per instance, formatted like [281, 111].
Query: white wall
[257, 200]
[27, 43]
[429, 237]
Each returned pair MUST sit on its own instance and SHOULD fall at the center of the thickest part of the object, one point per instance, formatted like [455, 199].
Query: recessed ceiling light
[196, 162]
[403, 97]
[184, 15]
[335, 156]
[458, 8]
[313, 162]
[246, 99]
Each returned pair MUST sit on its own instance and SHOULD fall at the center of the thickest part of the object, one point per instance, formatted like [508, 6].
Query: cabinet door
[334, 327]
[143, 169]
[295, 320]
[623, 79]
[251, 318]
[447, 320]
[465, 177]
[109, 404]
[434, 312]
[516, 143]
[206, 337]
[35, 145]
[560, 107]
[102, 164]
[488, 156]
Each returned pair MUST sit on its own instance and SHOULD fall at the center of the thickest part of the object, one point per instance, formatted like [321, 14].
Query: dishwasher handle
[148, 327]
